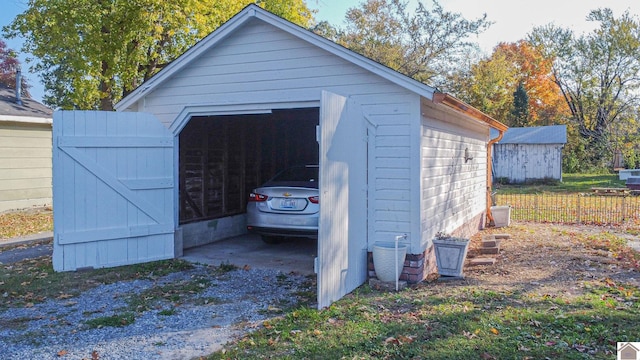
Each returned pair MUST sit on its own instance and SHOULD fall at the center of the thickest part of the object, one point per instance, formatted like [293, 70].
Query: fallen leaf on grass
[469, 335]
[400, 340]
[535, 323]
[523, 348]
[494, 331]
[391, 340]
[406, 339]
[580, 348]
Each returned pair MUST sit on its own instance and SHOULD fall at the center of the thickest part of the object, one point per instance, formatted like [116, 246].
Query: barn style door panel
[342, 232]
[113, 200]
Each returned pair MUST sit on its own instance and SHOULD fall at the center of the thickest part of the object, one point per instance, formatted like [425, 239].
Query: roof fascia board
[460, 106]
[254, 11]
[26, 119]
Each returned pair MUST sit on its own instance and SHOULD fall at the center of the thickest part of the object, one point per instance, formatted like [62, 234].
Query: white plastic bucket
[384, 260]
[501, 215]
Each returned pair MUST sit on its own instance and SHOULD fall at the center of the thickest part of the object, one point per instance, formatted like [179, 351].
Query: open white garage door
[342, 233]
[113, 199]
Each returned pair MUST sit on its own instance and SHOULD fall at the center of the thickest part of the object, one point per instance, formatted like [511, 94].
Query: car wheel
[270, 239]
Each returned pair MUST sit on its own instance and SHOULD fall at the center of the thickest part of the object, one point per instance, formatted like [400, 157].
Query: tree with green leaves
[520, 109]
[93, 52]
[9, 64]
[599, 76]
[424, 43]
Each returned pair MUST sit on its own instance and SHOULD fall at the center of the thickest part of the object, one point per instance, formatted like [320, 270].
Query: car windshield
[296, 176]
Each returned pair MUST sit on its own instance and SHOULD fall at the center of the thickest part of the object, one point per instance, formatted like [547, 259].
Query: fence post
[579, 210]
[624, 208]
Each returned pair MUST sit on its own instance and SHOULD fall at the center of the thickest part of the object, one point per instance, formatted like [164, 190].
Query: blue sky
[513, 18]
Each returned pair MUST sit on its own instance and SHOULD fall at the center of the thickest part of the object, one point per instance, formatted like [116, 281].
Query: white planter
[501, 215]
[450, 255]
[384, 260]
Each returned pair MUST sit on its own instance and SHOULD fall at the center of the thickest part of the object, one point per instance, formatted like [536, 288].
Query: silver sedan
[286, 206]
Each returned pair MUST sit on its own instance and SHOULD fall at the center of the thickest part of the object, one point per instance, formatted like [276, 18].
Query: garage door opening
[223, 158]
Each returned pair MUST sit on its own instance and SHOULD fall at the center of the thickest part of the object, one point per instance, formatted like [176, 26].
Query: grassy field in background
[571, 183]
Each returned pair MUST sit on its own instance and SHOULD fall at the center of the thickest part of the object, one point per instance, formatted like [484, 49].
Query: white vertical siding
[523, 162]
[25, 165]
[453, 191]
[392, 161]
[261, 64]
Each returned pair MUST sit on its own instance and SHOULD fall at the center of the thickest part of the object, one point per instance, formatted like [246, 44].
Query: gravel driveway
[232, 304]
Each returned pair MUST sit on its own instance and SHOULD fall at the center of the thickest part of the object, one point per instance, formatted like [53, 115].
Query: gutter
[460, 106]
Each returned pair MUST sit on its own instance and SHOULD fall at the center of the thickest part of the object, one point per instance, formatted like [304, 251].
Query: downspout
[460, 106]
[489, 173]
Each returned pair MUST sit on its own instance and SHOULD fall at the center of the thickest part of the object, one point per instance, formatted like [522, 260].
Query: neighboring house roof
[29, 111]
[554, 134]
[253, 11]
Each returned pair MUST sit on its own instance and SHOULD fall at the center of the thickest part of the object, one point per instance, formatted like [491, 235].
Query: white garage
[172, 167]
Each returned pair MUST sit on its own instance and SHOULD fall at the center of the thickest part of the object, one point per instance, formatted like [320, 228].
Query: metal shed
[530, 153]
[172, 167]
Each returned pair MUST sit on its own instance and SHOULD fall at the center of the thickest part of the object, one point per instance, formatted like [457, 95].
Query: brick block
[489, 250]
[412, 270]
[490, 243]
[502, 236]
[418, 263]
[482, 261]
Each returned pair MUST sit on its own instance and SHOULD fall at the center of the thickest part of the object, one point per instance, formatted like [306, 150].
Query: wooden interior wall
[223, 158]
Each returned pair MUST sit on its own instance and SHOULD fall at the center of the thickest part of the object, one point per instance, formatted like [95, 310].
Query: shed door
[112, 189]
[342, 232]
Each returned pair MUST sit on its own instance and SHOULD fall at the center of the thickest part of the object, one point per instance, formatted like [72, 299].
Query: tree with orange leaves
[495, 80]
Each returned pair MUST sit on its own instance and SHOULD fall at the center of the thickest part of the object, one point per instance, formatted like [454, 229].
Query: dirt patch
[556, 259]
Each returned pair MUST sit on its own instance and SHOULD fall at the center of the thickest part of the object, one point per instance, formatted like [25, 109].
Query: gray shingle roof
[554, 134]
[29, 107]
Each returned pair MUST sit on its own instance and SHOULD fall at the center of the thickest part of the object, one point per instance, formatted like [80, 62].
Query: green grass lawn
[571, 183]
[440, 321]
[498, 316]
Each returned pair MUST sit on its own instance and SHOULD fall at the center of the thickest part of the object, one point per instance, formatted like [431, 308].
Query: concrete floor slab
[290, 255]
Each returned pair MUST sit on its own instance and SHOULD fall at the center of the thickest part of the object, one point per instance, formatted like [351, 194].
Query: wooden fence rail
[572, 208]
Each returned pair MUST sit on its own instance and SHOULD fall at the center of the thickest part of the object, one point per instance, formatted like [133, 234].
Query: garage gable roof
[255, 12]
